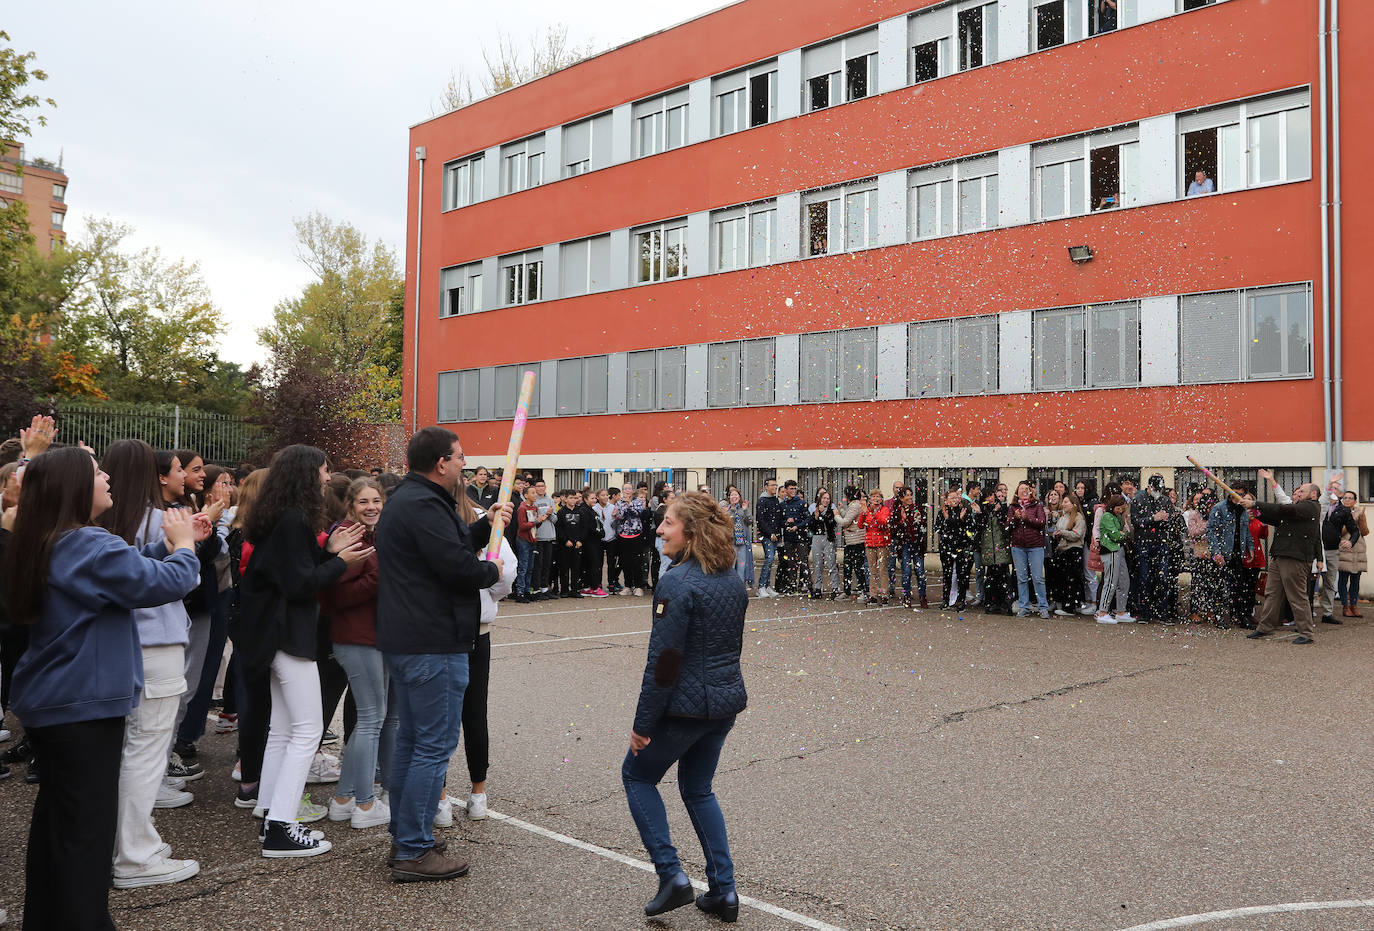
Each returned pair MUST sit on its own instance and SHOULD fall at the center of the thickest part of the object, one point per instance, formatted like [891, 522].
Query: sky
[210, 127]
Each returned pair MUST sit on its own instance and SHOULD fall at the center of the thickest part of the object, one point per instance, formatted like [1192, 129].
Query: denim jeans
[428, 688]
[192, 726]
[744, 563]
[912, 556]
[374, 736]
[770, 549]
[1030, 569]
[524, 557]
[695, 746]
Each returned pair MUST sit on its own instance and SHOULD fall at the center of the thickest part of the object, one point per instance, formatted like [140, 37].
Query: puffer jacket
[1028, 532]
[996, 526]
[1356, 559]
[693, 668]
[877, 534]
[850, 531]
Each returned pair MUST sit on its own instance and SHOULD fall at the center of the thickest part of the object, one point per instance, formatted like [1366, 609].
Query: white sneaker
[1105, 619]
[443, 815]
[1087, 609]
[342, 812]
[1125, 618]
[174, 782]
[237, 774]
[378, 814]
[639, 593]
[324, 768]
[975, 601]
[157, 873]
[477, 806]
[624, 592]
[167, 797]
[1060, 612]
[4, 734]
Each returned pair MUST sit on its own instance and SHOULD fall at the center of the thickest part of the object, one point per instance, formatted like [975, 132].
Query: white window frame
[12, 182]
[1239, 303]
[954, 331]
[522, 278]
[459, 376]
[837, 200]
[1083, 315]
[1236, 118]
[498, 371]
[948, 180]
[463, 181]
[522, 164]
[764, 395]
[594, 278]
[990, 26]
[661, 238]
[658, 115]
[583, 406]
[467, 280]
[837, 366]
[851, 47]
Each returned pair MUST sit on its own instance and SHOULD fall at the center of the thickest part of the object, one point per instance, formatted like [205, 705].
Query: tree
[507, 65]
[305, 400]
[15, 101]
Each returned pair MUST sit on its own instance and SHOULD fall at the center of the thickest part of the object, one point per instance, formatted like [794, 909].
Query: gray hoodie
[546, 531]
[165, 625]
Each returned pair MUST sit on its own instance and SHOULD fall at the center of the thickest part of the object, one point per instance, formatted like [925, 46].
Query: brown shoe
[439, 845]
[1347, 611]
[432, 866]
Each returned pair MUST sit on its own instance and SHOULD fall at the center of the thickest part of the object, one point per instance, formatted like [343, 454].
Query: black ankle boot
[672, 893]
[724, 905]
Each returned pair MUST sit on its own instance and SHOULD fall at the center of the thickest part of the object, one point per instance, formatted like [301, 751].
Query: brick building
[41, 185]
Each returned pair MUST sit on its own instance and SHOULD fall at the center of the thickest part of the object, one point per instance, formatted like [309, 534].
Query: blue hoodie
[84, 661]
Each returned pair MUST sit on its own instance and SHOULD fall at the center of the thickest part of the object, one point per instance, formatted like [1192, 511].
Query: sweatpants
[570, 569]
[1116, 582]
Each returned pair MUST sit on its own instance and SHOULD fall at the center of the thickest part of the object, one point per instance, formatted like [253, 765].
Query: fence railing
[218, 438]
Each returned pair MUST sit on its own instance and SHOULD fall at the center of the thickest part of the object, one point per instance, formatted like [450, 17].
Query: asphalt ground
[894, 770]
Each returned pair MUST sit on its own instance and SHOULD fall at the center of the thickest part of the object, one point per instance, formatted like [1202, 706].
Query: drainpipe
[1326, 237]
[1336, 328]
[415, 331]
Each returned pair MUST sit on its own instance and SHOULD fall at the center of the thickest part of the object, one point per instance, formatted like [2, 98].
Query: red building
[850, 239]
[42, 186]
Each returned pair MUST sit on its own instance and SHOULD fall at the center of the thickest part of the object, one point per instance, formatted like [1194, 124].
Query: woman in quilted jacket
[877, 541]
[692, 689]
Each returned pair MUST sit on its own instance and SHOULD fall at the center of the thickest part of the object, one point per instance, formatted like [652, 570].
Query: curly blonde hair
[708, 531]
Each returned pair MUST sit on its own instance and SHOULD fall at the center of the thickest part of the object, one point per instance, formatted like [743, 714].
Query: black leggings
[67, 872]
[591, 564]
[476, 744]
[569, 568]
[855, 569]
[255, 713]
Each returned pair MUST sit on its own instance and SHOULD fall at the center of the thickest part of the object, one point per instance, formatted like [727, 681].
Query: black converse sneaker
[291, 840]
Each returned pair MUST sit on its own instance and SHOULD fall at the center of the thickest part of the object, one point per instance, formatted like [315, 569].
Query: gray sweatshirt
[546, 531]
[165, 625]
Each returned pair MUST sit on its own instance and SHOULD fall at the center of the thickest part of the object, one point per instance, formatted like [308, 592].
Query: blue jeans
[744, 563]
[912, 555]
[770, 549]
[374, 735]
[524, 557]
[428, 688]
[695, 746]
[1030, 568]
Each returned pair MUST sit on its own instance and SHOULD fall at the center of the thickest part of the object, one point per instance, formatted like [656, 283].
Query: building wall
[1235, 49]
[44, 203]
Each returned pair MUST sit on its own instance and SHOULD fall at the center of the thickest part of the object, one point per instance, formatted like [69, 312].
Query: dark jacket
[794, 518]
[1028, 532]
[279, 596]
[1340, 519]
[956, 528]
[351, 602]
[909, 525]
[569, 527]
[429, 575]
[822, 523]
[1144, 506]
[994, 532]
[768, 514]
[592, 531]
[1297, 533]
[693, 669]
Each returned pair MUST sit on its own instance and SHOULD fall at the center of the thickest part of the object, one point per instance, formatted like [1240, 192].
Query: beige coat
[1356, 559]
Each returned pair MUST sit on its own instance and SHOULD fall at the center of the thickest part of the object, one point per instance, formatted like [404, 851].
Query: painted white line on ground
[745, 900]
[1226, 914]
[632, 633]
[574, 611]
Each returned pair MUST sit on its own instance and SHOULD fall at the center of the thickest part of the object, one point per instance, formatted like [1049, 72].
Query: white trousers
[148, 732]
[293, 736]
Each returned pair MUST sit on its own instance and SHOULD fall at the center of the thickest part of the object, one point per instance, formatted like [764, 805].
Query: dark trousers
[612, 549]
[543, 564]
[591, 564]
[789, 566]
[67, 872]
[996, 586]
[569, 568]
[1243, 595]
[255, 713]
[1158, 584]
[476, 742]
[13, 642]
[193, 725]
[952, 561]
[855, 569]
[1064, 578]
[1348, 588]
[633, 556]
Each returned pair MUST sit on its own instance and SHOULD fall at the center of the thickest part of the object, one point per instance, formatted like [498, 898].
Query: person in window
[1106, 15]
[1201, 184]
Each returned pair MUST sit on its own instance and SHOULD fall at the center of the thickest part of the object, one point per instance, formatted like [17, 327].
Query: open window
[1049, 23]
[1114, 170]
[977, 28]
[1104, 16]
[925, 62]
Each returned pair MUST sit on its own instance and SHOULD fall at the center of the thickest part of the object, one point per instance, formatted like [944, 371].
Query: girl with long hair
[280, 600]
[822, 527]
[76, 586]
[1066, 559]
[692, 690]
[738, 510]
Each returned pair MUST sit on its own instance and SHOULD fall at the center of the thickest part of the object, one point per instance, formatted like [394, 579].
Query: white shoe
[1125, 618]
[1087, 609]
[443, 815]
[168, 797]
[378, 814]
[306, 813]
[1060, 612]
[342, 812]
[237, 774]
[4, 734]
[1105, 619]
[477, 806]
[174, 782]
[766, 592]
[639, 593]
[157, 873]
[324, 768]
[624, 592]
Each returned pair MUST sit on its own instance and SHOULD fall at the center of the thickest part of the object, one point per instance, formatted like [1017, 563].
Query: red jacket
[1258, 533]
[351, 602]
[527, 517]
[875, 524]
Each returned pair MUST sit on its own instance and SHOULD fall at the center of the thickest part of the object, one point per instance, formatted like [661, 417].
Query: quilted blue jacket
[693, 669]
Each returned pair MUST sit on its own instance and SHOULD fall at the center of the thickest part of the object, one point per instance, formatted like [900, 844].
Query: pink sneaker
[601, 593]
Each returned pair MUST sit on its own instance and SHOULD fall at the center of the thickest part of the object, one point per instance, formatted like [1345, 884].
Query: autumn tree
[509, 64]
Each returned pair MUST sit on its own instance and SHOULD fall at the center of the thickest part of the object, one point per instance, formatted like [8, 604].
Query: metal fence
[216, 437]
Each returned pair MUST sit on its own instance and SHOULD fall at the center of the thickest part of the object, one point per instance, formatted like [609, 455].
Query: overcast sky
[208, 127]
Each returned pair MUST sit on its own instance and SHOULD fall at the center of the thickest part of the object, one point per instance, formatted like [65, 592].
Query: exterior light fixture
[1080, 254]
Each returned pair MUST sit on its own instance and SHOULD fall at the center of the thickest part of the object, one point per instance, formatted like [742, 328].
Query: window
[508, 389]
[860, 219]
[1106, 15]
[639, 381]
[925, 62]
[949, 357]
[1049, 24]
[586, 145]
[745, 98]
[458, 396]
[931, 35]
[586, 266]
[841, 70]
[1246, 144]
[1114, 170]
[1256, 334]
[839, 366]
[582, 384]
[840, 219]
[13, 183]
[660, 123]
[461, 290]
[731, 111]
[522, 164]
[661, 252]
[977, 36]
[1196, 4]
[463, 181]
[955, 197]
[522, 278]
[763, 98]
[1060, 179]
[59, 192]
[672, 379]
[741, 373]
[1097, 346]
[57, 219]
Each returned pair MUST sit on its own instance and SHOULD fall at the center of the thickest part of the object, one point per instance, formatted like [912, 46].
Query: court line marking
[774, 910]
[1225, 914]
[633, 633]
[511, 617]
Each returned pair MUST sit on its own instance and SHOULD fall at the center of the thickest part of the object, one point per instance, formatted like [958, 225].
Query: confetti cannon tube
[517, 437]
[1235, 495]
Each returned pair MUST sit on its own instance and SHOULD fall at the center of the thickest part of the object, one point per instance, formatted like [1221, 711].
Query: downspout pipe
[1337, 331]
[415, 330]
[1326, 235]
